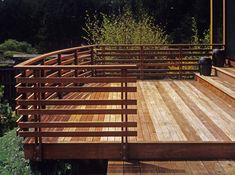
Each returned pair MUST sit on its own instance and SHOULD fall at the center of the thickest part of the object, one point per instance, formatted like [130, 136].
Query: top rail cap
[49, 67]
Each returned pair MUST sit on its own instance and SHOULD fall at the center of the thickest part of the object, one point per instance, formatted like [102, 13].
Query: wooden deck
[168, 110]
[77, 103]
[172, 114]
[171, 168]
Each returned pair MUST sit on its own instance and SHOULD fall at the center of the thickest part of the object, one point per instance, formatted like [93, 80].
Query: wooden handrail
[74, 67]
[39, 58]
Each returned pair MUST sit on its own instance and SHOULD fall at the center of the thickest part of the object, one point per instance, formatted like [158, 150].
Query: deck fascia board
[136, 151]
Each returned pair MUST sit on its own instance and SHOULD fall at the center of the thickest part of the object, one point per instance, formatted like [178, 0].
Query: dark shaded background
[56, 24]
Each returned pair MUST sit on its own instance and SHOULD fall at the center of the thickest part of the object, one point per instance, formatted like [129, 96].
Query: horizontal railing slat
[75, 89]
[74, 111]
[76, 102]
[75, 124]
[77, 134]
[153, 54]
[77, 79]
[74, 67]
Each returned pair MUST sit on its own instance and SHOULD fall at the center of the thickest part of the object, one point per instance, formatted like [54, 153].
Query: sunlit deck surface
[168, 110]
[172, 168]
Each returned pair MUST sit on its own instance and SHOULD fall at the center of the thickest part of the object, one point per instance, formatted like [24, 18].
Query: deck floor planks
[148, 167]
[177, 101]
[225, 106]
[228, 166]
[213, 111]
[214, 167]
[143, 119]
[73, 117]
[165, 119]
[218, 115]
[226, 83]
[76, 118]
[188, 121]
[230, 69]
[131, 168]
[171, 168]
[154, 114]
[197, 167]
[202, 115]
[65, 117]
[132, 118]
[115, 168]
[98, 117]
[164, 167]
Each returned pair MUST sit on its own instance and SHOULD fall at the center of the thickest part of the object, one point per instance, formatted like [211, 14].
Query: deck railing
[155, 61]
[46, 81]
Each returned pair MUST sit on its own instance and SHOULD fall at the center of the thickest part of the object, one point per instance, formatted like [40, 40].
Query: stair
[222, 83]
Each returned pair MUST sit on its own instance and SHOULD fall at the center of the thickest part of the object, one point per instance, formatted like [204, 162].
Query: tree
[124, 29]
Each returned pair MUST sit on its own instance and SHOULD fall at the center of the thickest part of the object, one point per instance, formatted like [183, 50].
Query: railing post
[24, 96]
[59, 75]
[103, 58]
[37, 117]
[124, 117]
[92, 60]
[180, 63]
[76, 63]
[43, 74]
[141, 63]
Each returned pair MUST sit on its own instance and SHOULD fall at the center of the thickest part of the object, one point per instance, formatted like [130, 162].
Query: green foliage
[206, 35]
[1, 91]
[12, 160]
[11, 46]
[124, 29]
[196, 39]
[195, 36]
[7, 116]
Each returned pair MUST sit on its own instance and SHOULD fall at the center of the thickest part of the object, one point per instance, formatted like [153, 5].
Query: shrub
[196, 39]
[11, 155]
[11, 46]
[124, 29]
[7, 116]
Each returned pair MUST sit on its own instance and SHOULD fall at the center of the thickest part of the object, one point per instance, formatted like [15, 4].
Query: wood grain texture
[171, 167]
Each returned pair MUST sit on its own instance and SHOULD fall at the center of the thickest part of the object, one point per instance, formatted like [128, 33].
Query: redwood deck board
[171, 167]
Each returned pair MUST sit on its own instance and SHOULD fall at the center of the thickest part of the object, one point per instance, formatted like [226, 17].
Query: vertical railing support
[124, 116]
[60, 96]
[43, 94]
[180, 63]
[24, 96]
[37, 117]
[141, 63]
[76, 63]
[92, 60]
